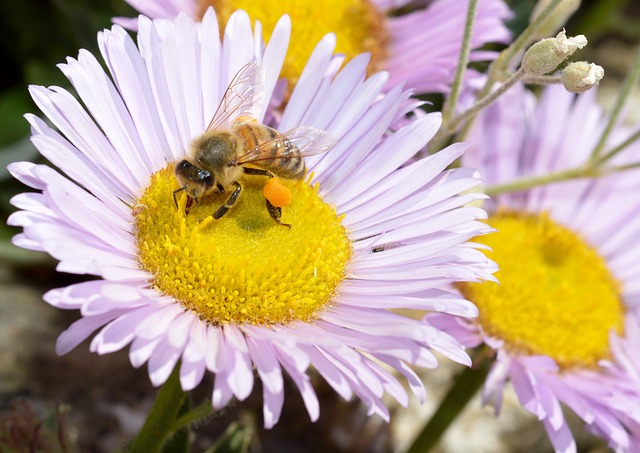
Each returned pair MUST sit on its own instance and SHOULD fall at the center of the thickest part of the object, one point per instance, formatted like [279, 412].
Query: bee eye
[205, 177]
[184, 164]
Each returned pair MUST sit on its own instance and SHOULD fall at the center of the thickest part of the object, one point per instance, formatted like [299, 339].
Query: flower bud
[581, 76]
[545, 55]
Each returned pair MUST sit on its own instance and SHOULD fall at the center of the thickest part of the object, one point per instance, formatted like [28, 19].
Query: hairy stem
[450, 105]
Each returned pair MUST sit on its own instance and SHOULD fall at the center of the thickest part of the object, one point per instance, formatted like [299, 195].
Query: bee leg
[222, 210]
[175, 200]
[257, 171]
[276, 214]
[190, 200]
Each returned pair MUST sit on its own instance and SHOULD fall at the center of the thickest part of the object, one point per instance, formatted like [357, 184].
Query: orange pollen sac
[277, 193]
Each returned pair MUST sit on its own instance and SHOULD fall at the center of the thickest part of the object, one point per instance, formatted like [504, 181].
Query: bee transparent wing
[303, 141]
[244, 96]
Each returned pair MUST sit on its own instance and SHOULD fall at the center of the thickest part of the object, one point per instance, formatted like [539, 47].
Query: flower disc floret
[243, 268]
[358, 24]
[556, 296]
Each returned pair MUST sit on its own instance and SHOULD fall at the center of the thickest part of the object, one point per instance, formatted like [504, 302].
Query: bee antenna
[175, 200]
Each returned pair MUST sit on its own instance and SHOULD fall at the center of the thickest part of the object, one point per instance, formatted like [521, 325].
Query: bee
[236, 144]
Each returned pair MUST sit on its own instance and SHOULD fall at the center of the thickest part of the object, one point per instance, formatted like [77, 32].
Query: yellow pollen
[556, 296]
[358, 25]
[243, 268]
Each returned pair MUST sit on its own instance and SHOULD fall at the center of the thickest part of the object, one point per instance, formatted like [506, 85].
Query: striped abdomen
[277, 154]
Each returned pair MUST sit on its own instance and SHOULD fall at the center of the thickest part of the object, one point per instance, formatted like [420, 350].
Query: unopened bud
[563, 11]
[545, 55]
[581, 76]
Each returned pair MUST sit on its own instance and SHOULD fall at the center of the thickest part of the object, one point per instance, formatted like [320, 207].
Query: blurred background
[85, 403]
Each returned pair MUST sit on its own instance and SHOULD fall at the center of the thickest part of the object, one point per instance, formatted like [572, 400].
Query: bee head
[195, 181]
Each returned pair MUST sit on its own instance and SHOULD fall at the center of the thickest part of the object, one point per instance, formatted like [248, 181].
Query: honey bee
[236, 144]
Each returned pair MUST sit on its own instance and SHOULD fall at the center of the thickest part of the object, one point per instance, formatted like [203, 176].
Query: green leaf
[167, 407]
[236, 439]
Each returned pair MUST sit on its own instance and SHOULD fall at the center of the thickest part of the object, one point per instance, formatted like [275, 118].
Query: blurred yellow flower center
[358, 25]
[243, 268]
[556, 296]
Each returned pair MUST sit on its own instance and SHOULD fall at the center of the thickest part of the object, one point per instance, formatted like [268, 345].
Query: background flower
[409, 240]
[419, 48]
[559, 133]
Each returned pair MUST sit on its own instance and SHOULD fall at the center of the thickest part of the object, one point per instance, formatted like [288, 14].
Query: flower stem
[629, 84]
[166, 408]
[533, 181]
[500, 64]
[463, 59]
[542, 79]
[448, 129]
[465, 387]
[611, 153]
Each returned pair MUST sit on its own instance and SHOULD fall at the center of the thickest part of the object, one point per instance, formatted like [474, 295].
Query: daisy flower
[563, 320]
[420, 48]
[226, 296]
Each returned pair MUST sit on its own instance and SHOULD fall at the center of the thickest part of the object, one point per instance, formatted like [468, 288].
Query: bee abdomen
[289, 167]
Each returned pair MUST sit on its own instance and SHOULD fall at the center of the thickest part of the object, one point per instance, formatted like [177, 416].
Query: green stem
[542, 79]
[166, 408]
[615, 151]
[447, 130]
[629, 84]
[534, 181]
[465, 388]
[194, 415]
[500, 65]
[463, 59]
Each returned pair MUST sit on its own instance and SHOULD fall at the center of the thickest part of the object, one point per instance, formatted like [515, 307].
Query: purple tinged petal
[191, 374]
[101, 182]
[128, 70]
[403, 183]
[308, 83]
[415, 383]
[81, 131]
[465, 332]
[197, 345]
[210, 48]
[222, 394]
[355, 148]
[80, 330]
[396, 149]
[141, 349]
[272, 407]
[237, 46]
[329, 371]
[25, 173]
[266, 363]
[240, 377]
[524, 385]
[274, 55]
[157, 324]
[302, 381]
[106, 106]
[120, 332]
[268, 368]
[162, 362]
[178, 332]
[150, 50]
[562, 439]
[214, 354]
[73, 296]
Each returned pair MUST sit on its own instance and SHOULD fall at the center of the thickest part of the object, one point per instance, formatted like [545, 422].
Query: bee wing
[306, 141]
[244, 96]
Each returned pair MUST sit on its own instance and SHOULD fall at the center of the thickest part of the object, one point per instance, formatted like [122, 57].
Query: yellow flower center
[358, 25]
[244, 267]
[556, 296]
